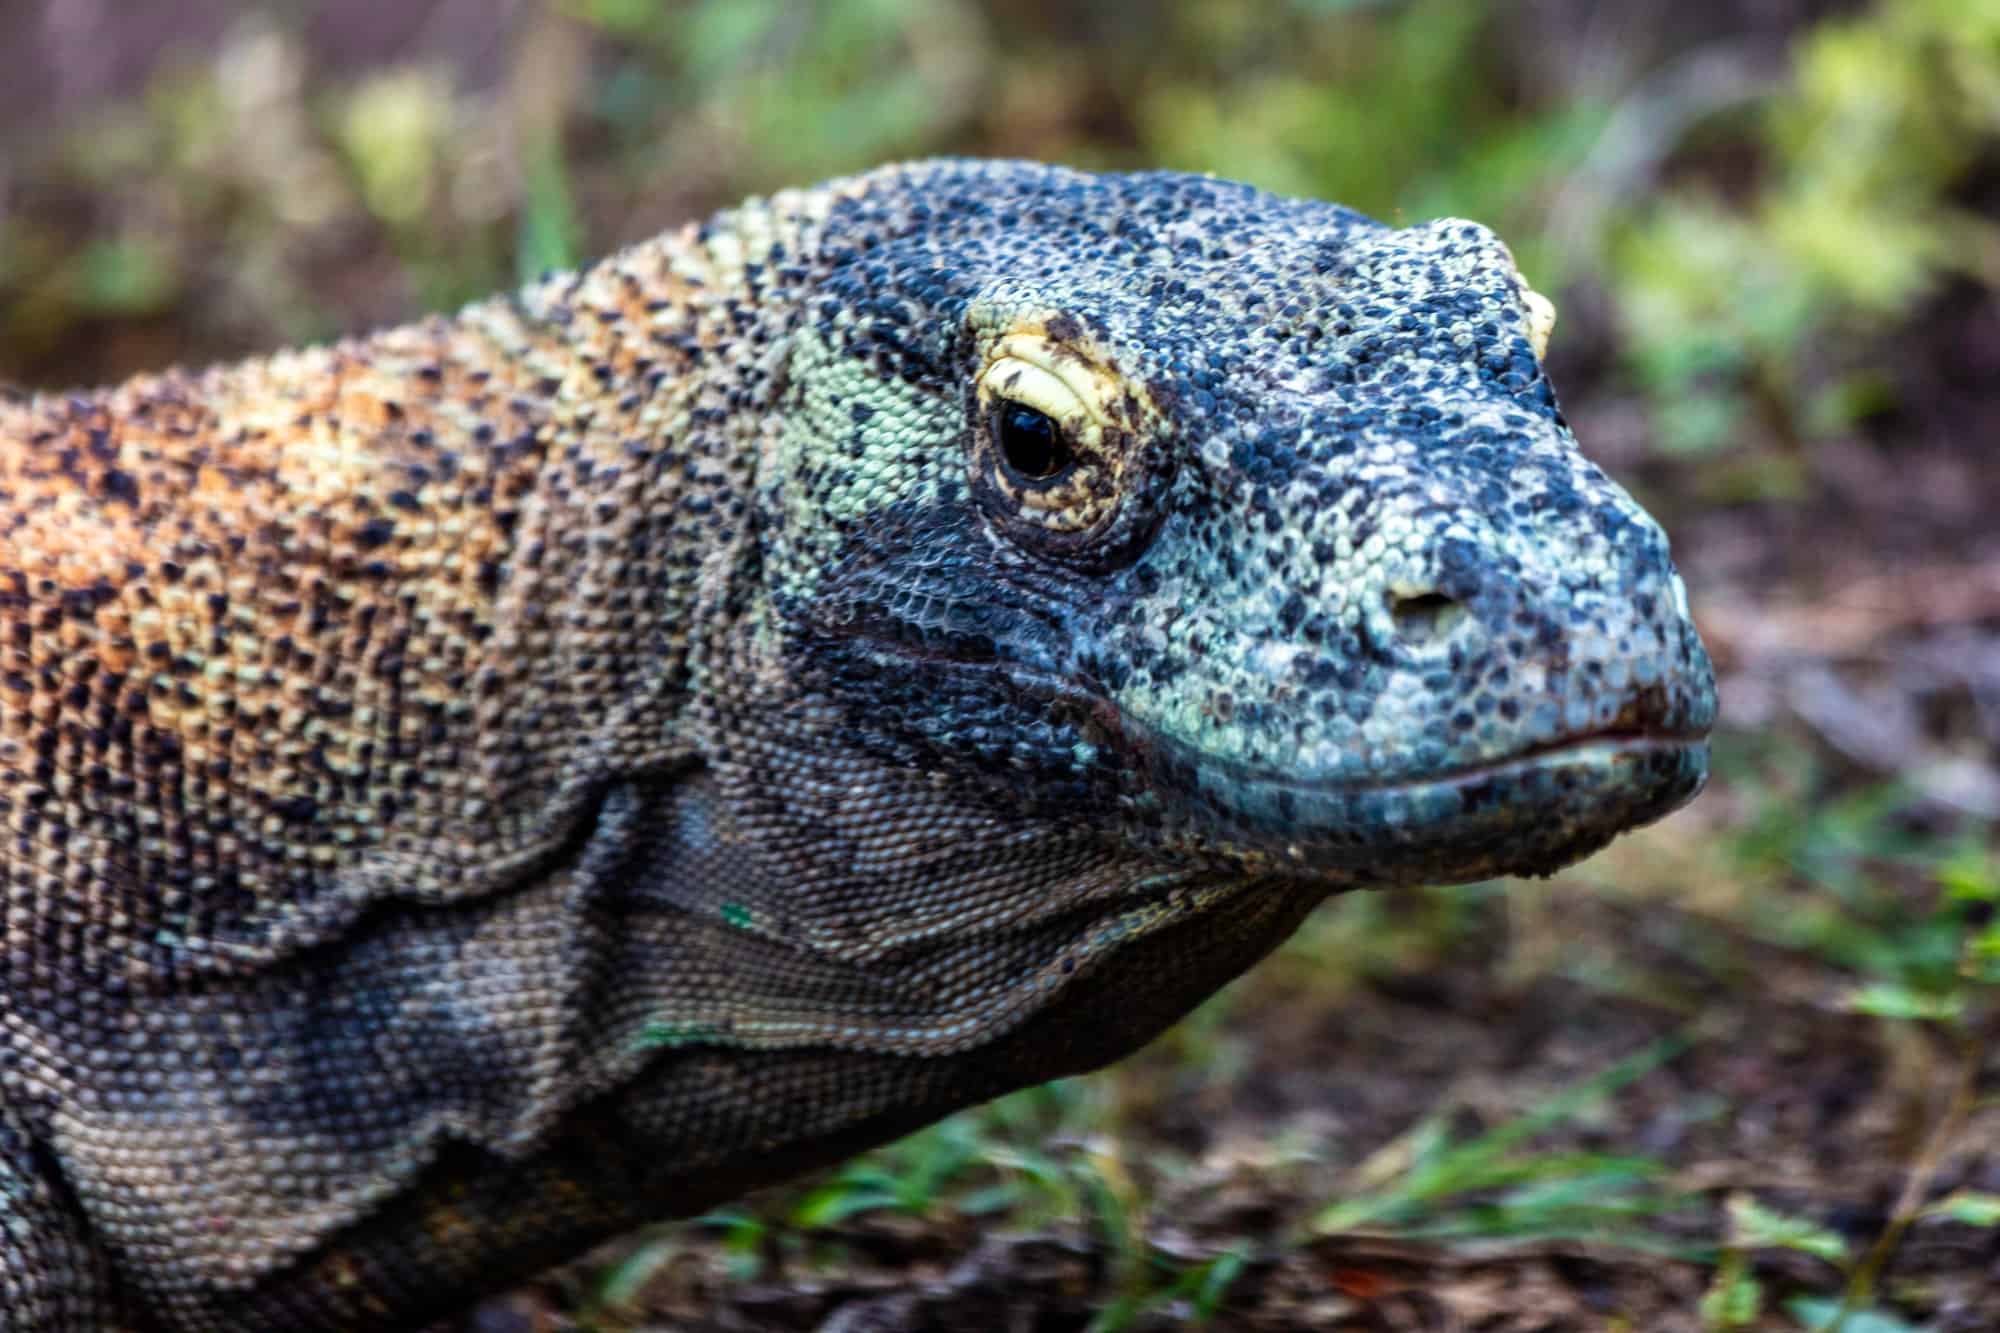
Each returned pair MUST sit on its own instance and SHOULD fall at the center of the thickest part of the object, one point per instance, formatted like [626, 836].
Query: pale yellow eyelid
[1065, 382]
[1025, 382]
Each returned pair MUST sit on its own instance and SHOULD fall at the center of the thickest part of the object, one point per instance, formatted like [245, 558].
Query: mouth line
[1608, 743]
[1530, 812]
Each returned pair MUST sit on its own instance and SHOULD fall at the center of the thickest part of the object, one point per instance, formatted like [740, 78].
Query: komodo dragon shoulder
[476, 788]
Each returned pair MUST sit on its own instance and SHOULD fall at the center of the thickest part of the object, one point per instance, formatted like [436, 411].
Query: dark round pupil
[1031, 443]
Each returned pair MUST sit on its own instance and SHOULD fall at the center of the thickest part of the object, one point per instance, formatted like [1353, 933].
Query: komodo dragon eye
[1053, 457]
[1032, 443]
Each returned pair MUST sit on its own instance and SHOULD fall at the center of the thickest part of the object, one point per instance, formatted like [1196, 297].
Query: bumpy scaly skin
[474, 789]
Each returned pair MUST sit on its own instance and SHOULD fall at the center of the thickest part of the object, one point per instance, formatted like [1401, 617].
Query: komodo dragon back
[481, 787]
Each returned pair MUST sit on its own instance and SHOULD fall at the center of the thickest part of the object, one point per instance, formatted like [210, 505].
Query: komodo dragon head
[1229, 531]
[1142, 552]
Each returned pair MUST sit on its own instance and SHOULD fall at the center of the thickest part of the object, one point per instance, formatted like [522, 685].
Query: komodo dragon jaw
[485, 786]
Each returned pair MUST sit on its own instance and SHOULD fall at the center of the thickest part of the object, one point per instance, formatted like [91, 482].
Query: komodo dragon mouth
[1527, 814]
[1529, 811]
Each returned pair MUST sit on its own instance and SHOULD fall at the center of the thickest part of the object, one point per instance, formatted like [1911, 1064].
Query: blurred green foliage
[1764, 302]
[1492, 1186]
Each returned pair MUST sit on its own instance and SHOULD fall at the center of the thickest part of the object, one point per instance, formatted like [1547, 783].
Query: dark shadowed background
[1733, 1073]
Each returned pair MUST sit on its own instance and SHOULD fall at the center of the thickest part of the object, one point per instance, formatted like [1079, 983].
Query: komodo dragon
[480, 787]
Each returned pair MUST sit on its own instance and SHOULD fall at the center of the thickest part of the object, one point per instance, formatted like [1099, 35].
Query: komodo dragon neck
[400, 603]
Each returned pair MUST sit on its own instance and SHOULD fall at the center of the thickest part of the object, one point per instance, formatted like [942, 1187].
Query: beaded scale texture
[481, 787]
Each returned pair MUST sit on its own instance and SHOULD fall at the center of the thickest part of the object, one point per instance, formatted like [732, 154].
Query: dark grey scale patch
[375, 532]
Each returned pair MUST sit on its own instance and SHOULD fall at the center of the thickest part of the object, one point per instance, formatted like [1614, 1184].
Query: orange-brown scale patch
[242, 612]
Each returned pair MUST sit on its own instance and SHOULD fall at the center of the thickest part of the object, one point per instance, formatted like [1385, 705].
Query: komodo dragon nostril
[1424, 618]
